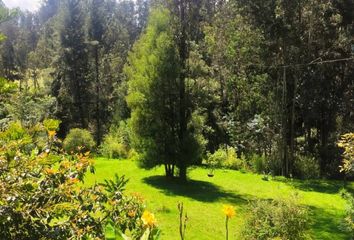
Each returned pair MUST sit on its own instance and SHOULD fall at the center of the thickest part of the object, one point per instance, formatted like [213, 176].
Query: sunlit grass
[204, 198]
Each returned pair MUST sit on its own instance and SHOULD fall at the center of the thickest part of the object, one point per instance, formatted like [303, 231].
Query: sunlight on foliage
[41, 195]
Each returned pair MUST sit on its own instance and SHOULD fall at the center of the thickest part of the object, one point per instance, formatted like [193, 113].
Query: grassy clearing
[204, 197]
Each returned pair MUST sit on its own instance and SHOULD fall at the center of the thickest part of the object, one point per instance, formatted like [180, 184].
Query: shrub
[346, 143]
[116, 144]
[283, 219]
[217, 159]
[259, 163]
[226, 158]
[78, 141]
[349, 218]
[112, 148]
[306, 167]
[233, 162]
[42, 197]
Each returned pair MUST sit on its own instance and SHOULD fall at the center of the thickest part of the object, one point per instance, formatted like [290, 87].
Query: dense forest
[261, 91]
[269, 78]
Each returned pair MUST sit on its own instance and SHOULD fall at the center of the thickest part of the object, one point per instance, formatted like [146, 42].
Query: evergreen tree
[72, 85]
[154, 99]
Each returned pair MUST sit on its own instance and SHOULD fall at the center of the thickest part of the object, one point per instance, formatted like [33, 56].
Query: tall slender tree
[72, 85]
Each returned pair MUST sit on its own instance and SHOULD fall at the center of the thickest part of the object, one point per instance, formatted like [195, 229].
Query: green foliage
[14, 132]
[349, 219]
[347, 144]
[217, 159]
[151, 73]
[51, 124]
[283, 219]
[226, 158]
[306, 167]
[259, 163]
[78, 140]
[154, 97]
[6, 87]
[41, 196]
[116, 144]
[29, 107]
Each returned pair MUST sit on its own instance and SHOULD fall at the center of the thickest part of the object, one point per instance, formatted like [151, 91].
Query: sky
[30, 5]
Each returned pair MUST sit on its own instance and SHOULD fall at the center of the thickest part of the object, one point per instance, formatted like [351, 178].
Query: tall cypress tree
[154, 97]
[72, 84]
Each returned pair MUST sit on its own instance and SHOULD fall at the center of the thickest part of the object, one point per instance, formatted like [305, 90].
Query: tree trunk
[292, 128]
[285, 168]
[183, 51]
[183, 173]
[169, 170]
[98, 115]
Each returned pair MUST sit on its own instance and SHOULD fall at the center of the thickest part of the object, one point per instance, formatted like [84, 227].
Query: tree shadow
[325, 223]
[322, 186]
[197, 190]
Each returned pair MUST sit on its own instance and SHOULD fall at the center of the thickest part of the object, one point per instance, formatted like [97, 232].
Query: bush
[112, 148]
[306, 167]
[116, 144]
[226, 158]
[217, 159]
[349, 218]
[259, 163]
[283, 219]
[346, 143]
[42, 196]
[78, 141]
[233, 162]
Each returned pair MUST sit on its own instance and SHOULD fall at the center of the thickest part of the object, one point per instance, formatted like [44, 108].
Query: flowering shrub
[41, 196]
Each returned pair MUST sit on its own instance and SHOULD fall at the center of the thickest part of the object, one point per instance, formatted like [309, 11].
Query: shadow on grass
[322, 186]
[198, 190]
[326, 225]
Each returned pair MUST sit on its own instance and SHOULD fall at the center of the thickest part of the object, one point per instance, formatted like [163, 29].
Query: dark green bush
[283, 219]
[306, 167]
[78, 140]
[259, 163]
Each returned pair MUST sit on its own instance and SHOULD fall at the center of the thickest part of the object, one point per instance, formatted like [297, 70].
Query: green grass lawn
[203, 198]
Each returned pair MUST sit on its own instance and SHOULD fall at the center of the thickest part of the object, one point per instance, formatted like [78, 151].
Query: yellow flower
[74, 180]
[131, 213]
[229, 211]
[149, 219]
[51, 133]
[50, 171]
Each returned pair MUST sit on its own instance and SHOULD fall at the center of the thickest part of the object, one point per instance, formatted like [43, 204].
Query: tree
[72, 84]
[154, 99]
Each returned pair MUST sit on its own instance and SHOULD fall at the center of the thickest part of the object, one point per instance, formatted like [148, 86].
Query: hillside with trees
[263, 87]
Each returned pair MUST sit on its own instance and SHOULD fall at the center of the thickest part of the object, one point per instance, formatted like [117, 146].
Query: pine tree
[154, 98]
[72, 85]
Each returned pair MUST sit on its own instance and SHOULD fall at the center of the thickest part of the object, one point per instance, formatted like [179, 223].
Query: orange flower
[131, 213]
[149, 219]
[50, 171]
[137, 196]
[74, 180]
[229, 211]
[51, 134]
